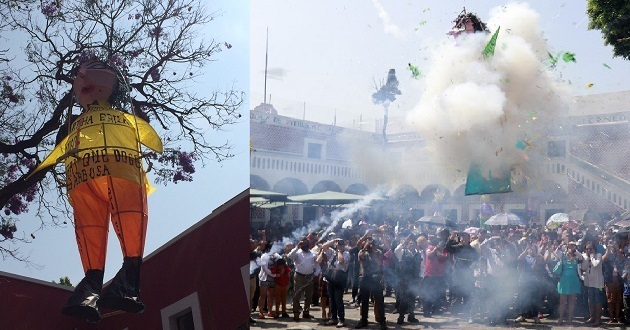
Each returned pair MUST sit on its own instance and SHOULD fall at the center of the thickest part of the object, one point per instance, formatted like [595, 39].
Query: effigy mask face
[94, 81]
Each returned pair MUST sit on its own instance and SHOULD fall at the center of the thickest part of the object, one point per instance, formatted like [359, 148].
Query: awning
[257, 200]
[328, 198]
[273, 205]
[271, 196]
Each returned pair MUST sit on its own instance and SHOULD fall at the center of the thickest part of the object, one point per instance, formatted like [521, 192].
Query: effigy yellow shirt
[104, 141]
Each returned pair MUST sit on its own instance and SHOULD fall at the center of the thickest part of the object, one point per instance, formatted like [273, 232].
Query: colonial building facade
[587, 165]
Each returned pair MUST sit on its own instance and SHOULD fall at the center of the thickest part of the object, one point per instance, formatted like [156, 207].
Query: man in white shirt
[593, 277]
[305, 269]
[481, 237]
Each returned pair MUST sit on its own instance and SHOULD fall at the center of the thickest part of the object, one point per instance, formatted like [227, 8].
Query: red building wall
[207, 259]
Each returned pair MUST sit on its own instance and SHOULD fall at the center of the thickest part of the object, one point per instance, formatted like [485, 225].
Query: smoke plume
[495, 111]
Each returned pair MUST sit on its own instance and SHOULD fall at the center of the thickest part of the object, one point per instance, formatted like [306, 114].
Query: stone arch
[357, 189]
[406, 193]
[291, 187]
[256, 182]
[325, 185]
[428, 192]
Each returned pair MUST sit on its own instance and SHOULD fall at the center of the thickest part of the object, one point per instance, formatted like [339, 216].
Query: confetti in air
[475, 106]
[568, 57]
[415, 72]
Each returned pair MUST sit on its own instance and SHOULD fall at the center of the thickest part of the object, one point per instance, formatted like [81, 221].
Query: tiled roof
[285, 139]
[609, 155]
[581, 197]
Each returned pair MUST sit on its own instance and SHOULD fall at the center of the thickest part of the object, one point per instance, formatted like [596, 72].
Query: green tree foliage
[64, 281]
[612, 17]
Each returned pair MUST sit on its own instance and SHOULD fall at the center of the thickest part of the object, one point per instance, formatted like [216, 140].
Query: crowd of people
[485, 276]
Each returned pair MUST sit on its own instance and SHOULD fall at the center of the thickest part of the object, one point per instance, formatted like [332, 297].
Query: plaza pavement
[444, 321]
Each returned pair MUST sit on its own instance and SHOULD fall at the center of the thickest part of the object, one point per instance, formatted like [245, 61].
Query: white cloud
[388, 25]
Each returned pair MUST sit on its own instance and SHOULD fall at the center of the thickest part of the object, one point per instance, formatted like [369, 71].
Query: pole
[266, 60]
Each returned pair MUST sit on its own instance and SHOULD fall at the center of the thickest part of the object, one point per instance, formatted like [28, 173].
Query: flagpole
[266, 60]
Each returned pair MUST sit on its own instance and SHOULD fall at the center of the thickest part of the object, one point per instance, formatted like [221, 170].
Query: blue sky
[176, 207]
[325, 55]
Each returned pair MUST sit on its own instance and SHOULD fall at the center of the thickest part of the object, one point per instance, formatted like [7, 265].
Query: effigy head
[467, 22]
[96, 79]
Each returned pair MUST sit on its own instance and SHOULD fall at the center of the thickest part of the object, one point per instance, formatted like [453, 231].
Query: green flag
[477, 184]
[489, 50]
[415, 72]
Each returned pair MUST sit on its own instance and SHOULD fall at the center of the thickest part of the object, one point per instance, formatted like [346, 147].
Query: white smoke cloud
[477, 109]
[388, 25]
[327, 222]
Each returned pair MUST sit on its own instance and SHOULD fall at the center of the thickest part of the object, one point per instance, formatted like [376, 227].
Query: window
[314, 151]
[556, 148]
[185, 321]
[184, 314]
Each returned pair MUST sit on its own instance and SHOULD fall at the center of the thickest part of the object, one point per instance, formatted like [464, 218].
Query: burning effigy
[491, 101]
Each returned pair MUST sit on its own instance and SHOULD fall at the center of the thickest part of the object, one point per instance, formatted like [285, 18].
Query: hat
[572, 243]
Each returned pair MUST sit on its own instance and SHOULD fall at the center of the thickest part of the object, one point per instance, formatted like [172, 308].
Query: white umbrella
[471, 230]
[434, 219]
[504, 219]
[558, 218]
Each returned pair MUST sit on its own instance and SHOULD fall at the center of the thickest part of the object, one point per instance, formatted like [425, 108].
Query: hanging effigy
[105, 180]
[481, 180]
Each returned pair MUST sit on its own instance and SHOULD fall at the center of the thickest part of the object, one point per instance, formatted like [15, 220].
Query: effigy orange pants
[97, 201]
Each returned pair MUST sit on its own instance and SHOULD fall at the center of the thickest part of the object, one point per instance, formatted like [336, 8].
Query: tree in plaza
[384, 95]
[613, 19]
[64, 281]
[155, 44]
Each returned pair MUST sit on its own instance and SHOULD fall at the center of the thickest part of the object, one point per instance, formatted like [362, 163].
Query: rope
[140, 169]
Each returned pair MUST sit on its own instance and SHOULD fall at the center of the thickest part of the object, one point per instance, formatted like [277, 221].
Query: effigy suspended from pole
[105, 180]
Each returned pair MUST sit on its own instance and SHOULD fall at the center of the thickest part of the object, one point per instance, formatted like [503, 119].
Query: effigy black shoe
[123, 293]
[91, 314]
[84, 300]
